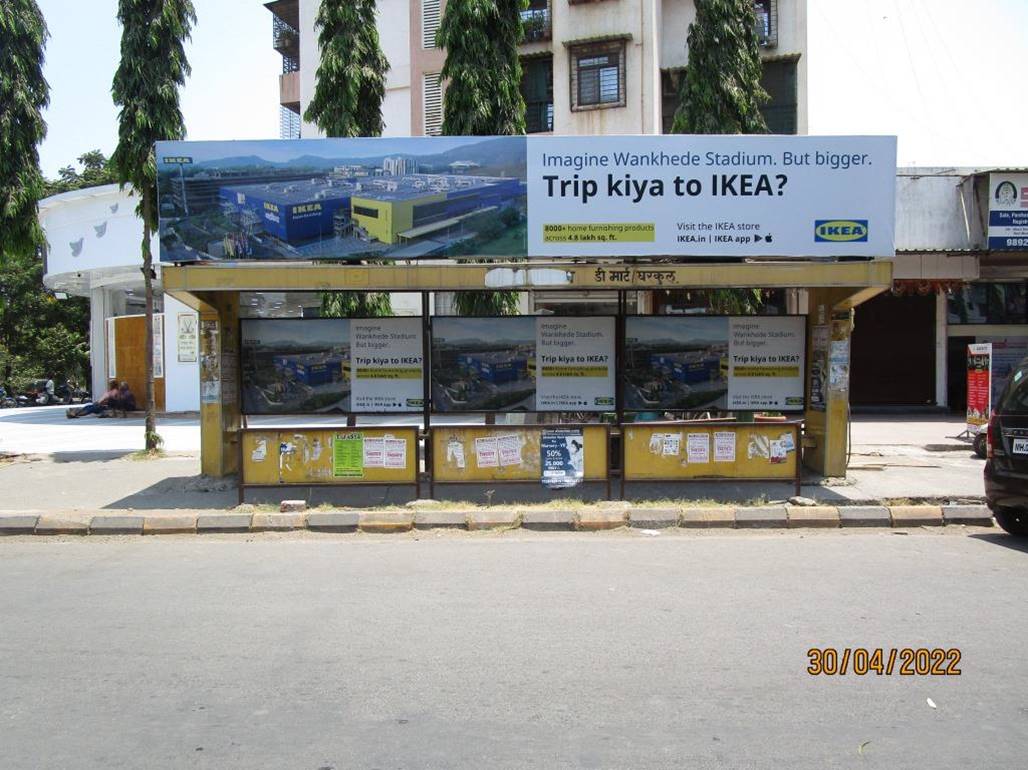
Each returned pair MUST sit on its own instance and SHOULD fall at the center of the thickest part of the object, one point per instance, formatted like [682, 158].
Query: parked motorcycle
[7, 401]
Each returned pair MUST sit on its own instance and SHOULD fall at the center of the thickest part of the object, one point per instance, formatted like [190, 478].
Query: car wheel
[1012, 520]
[979, 445]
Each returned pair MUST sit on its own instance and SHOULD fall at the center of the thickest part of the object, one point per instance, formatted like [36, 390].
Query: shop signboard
[979, 388]
[536, 197]
[523, 363]
[1008, 212]
[733, 363]
[341, 365]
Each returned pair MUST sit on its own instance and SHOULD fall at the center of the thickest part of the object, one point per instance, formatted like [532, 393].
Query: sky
[941, 74]
[232, 94]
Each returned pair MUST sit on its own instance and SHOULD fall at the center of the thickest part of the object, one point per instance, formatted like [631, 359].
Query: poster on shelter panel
[523, 363]
[331, 365]
[540, 196]
[734, 363]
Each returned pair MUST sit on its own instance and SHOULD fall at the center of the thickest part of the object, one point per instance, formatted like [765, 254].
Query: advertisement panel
[523, 363]
[539, 196]
[387, 365]
[979, 387]
[1008, 212]
[731, 363]
[1007, 353]
[321, 365]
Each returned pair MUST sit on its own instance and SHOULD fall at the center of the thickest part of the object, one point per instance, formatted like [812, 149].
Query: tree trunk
[152, 439]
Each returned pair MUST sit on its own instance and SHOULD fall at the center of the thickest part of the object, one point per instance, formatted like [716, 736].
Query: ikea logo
[840, 230]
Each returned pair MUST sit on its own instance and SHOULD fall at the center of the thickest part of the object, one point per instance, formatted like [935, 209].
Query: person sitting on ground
[125, 401]
[97, 407]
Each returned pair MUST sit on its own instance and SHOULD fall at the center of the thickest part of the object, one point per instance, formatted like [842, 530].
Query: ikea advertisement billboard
[690, 196]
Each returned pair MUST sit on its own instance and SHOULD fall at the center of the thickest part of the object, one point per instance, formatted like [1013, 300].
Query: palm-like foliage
[23, 95]
[347, 102]
[721, 91]
[351, 76]
[146, 86]
[721, 94]
[483, 95]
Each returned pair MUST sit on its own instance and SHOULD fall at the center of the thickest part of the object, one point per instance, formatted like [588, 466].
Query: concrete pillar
[98, 312]
[941, 351]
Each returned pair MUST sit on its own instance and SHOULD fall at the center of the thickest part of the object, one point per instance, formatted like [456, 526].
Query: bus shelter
[628, 446]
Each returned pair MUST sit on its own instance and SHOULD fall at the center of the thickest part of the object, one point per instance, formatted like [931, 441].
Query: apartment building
[589, 66]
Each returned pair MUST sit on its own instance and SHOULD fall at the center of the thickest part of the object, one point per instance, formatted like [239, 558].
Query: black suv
[1006, 465]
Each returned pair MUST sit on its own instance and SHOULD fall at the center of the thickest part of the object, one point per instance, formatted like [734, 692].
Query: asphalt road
[545, 650]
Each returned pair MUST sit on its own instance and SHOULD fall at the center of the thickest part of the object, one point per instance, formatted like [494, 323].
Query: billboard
[331, 365]
[539, 196]
[523, 363]
[734, 363]
[1008, 212]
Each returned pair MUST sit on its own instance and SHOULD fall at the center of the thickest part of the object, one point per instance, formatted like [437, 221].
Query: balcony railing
[537, 24]
[538, 117]
[285, 39]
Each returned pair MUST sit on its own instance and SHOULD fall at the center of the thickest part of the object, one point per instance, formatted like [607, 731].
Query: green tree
[483, 96]
[348, 95]
[721, 94]
[146, 89]
[96, 170]
[482, 69]
[350, 83]
[24, 94]
[355, 304]
[721, 91]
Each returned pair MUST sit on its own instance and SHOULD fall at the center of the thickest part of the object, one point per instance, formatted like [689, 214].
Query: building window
[432, 92]
[364, 211]
[288, 123]
[430, 15]
[779, 80]
[989, 303]
[598, 75]
[766, 12]
[537, 90]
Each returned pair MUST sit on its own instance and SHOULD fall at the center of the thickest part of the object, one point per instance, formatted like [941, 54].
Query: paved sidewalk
[82, 465]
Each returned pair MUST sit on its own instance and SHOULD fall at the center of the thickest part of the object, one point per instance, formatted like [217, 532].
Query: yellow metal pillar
[829, 326]
[219, 382]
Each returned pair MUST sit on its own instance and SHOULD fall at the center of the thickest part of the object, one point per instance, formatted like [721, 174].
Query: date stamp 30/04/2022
[879, 661]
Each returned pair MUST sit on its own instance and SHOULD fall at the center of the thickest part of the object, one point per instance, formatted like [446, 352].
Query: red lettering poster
[979, 386]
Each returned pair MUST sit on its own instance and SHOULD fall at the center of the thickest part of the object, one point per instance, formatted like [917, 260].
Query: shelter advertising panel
[523, 363]
[739, 363]
[420, 197]
[1008, 212]
[297, 366]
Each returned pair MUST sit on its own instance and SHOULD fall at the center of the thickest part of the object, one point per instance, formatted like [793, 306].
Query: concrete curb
[707, 518]
[653, 518]
[116, 525]
[441, 520]
[916, 515]
[975, 515]
[598, 520]
[341, 521]
[589, 519]
[548, 521]
[169, 525]
[764, 517]
[813, 516]
[385, 522]
[18, 525]
[864, 516]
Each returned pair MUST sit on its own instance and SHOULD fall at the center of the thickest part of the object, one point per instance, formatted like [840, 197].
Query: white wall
[181, 380]
[95, 229]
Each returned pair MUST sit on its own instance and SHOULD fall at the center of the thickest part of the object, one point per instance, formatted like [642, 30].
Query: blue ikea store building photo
[292, 211]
